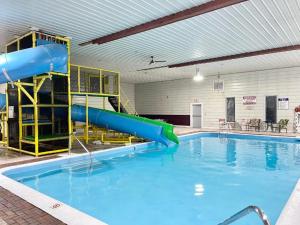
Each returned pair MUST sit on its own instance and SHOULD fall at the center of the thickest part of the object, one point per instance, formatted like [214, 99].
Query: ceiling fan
[152, 61]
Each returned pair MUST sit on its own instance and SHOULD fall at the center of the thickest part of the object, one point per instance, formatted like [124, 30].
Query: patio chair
[222, 124]
[254, 123]
[244, 124]
[281, 125]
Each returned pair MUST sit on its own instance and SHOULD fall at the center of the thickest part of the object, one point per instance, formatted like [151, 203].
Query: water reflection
[297, 154]
[199, 189]
[271, 155]
[231, 153]
[195, 147]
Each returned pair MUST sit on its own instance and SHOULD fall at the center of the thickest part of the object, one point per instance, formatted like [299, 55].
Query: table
[271, 125]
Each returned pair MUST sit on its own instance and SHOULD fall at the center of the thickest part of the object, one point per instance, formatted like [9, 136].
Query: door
[271, 109]
[230, 109]
[196, 115]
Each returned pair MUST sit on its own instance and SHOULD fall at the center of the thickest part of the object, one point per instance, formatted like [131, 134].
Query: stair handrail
[127, 106]
[87, 151]
[244, 212]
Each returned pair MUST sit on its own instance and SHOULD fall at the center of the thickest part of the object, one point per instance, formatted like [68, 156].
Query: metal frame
[100, 133]
[100, 71]
[3, 116]
[37, 84]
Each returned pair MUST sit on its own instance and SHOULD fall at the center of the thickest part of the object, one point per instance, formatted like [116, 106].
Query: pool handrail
[87, 151]
[244, 212]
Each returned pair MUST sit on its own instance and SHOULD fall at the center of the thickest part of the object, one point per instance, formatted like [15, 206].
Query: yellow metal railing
[94, 81]
[125, 101]
[3, 122]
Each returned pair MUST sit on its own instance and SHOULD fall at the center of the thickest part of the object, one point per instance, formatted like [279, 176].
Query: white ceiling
[249, 26]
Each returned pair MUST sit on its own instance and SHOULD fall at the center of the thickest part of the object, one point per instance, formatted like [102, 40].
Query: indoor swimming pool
[203, 180]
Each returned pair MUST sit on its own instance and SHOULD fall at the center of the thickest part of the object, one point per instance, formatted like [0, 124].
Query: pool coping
[65, 213]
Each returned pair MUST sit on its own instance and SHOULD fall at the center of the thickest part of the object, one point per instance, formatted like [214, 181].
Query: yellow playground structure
[25, 123]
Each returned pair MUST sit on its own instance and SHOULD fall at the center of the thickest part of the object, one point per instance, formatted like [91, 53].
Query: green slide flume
[168, 129]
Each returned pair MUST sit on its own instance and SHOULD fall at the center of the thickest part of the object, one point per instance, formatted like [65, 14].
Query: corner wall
[174, 97]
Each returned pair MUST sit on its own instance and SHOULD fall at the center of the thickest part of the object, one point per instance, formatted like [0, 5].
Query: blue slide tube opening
[32, 61]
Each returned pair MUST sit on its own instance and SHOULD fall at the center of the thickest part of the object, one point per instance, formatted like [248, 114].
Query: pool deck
[182, 130]
[16, 211]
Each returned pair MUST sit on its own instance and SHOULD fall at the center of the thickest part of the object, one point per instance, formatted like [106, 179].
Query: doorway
[230, 109]
[196, 115]
[271, 109]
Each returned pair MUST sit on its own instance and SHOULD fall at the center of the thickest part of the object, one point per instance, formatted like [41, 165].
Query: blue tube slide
[115, 121]
[32, 61]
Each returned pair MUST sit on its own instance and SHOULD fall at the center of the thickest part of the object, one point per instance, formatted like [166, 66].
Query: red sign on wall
[249, 100]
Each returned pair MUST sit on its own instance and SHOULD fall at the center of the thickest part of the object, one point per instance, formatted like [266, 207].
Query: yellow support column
[6, 128]
[87, 119]
[20, 117]
[100, 82]
[52, 110]
[36, 118]
[78, 76]
[69, 96]
[35, 107]
[119, 94]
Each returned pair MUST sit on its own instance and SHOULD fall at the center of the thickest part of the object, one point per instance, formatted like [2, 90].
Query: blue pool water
[202, 181]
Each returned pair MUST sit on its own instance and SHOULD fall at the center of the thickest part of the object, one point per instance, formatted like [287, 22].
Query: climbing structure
[32, 103]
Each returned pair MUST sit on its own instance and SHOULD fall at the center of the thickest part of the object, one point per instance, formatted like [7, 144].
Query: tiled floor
[13, 209]
[16, 211]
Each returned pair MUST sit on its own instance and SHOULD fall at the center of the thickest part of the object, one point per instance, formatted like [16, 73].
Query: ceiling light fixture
[198, 77]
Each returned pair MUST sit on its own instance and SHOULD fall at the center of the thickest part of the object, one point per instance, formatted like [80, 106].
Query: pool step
[84, 166]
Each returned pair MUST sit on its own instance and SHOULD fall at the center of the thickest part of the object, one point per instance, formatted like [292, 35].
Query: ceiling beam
[238, 56]
[162, 21]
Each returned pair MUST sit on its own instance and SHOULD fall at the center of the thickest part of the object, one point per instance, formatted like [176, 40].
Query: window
[218, 85]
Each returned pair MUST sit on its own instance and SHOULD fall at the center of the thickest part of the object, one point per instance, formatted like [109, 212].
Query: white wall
[174, 97]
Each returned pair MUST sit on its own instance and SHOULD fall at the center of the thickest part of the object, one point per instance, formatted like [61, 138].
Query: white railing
[85, 149]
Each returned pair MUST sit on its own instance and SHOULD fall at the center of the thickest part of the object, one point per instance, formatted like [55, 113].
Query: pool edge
[66, 213]
[290, 212]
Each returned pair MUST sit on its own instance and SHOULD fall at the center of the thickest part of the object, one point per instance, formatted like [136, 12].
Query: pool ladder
[244, 212]
[85, 149]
